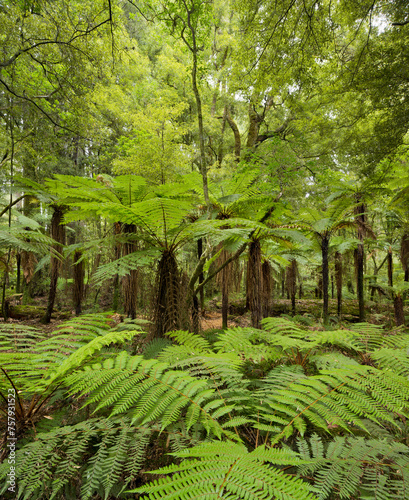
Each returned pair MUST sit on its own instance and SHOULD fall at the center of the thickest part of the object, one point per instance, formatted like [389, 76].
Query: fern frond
[148, 390]
[333, 398]
[351, 467]
[228, 470]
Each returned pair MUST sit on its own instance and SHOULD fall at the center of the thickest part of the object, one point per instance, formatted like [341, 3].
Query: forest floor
[308, 312]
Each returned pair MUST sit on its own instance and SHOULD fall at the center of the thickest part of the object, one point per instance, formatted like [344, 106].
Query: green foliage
[355, 467]
[244, 429]
[229, 470]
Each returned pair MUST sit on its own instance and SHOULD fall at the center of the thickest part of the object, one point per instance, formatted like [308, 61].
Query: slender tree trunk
[359, 259]
[255, 283]
[266, 274]
[18, 277]
[130, 281]
[325, 280]
[236, 133]
[291, 283]
[201, 275]
[390, 267]
[79, 274]
[58, 234]
[117, 255]
[338, 280]
[203, 166]
[404, 255]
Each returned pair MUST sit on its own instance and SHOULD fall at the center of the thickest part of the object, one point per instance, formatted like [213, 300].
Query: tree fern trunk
[399, 312]
[167, 300]
[58, 234]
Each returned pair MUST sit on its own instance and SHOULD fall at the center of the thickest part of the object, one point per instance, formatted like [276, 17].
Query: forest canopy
[204, 249]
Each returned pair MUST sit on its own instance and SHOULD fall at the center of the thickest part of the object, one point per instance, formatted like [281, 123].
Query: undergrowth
[282, 412]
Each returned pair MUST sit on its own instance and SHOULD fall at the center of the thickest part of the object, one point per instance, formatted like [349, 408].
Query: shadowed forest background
[204, 249]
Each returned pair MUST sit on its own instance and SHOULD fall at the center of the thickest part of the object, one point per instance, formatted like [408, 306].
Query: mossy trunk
[166, 314]
[58, 235]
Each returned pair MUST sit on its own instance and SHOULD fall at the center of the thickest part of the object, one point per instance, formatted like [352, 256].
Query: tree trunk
[360, 258]
[224, 280]
[399, 313]
[236, 133]
[292, 283]
[266, 274]
[201, 275]
[130, 281]
[117, 255]
[79, 274]
[255, 283]
[404, 255]
[167, 300]
[325, 278]
[58, 234]
[338, 280]
[390, 267]
[195, 314]
[18, 277]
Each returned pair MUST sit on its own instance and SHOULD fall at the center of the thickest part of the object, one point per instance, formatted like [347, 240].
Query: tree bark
[399, 312]
[236, 133]
[390, 267]
[404, 254]
[291, 283]
[79, 274]
[167, 300]
[359, 258]
[255, 283]
[58, 234]
[325, 278]
[130, 281]
[338, 280]
[266, 274]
